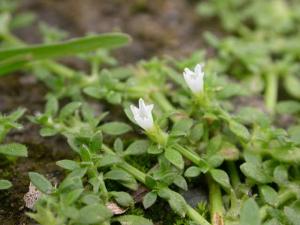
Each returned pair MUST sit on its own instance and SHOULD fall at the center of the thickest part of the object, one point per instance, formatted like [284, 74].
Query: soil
[157, 27]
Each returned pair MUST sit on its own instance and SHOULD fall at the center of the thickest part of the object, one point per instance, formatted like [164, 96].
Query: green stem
[271, 91]
[193, 214]
[193, 157]
[103, 188]
[173, 75]
[95, 67]
[59, 69]
[140, 176]
[234, 176]
[11, 39]
[162, 102]
[157, 135]
[215, 200]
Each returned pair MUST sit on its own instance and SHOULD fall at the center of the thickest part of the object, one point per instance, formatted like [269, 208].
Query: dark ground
[158, 28]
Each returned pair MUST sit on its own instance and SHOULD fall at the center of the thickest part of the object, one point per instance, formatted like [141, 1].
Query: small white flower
[143, 115]
[194, 79]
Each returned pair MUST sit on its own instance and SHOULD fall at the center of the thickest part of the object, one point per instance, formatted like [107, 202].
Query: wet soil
[157, 27]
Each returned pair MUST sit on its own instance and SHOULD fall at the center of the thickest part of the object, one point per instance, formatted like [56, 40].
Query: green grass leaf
[15, 58]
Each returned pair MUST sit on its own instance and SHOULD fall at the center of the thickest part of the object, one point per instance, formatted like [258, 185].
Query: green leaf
[118, 146]
[95, 143]
[17, 114]
[239, 130]
[149, 199]
[150, 182]
[16, 58]
[197, 132]
[48, 132]
[85, 154]
[40, 182]
[192, 171]
[70, 197]
[115, 128]
[94, 214]
[67, 164]
[250, 213]
[51, 107]
[291, 84]
[178, 204]
[114, 97]
[133, 220]
[281, 175]
[69, 109]
[5, 184]
[229, 151]
[108, 160]
[287, 155]
[90, 199]
[288, 107]
[118, 174]
[292, 215]
[180, 182]
[122, 198]
[132, 184]
[181, 127]
[255, 172]
[13, 149]
[154, 149]
[174, 157]
[221, 177]
[94, 92]
[294, 132]
[137, 147]
[268, 194]
[175, 200]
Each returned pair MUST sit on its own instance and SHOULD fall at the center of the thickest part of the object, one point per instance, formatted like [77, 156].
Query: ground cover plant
[201, 139]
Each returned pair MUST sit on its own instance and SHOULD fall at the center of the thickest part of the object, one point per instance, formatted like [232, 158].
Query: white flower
[194, 79]
[143, 115]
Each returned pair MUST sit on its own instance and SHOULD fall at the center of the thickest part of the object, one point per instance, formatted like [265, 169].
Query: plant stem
[193, 214]
[158, 135]
[103, 188]
[193, 157]
[59, 69]
[140, 176]
[215, 200]
[271, 91]
[234, 176]
[162, 102]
